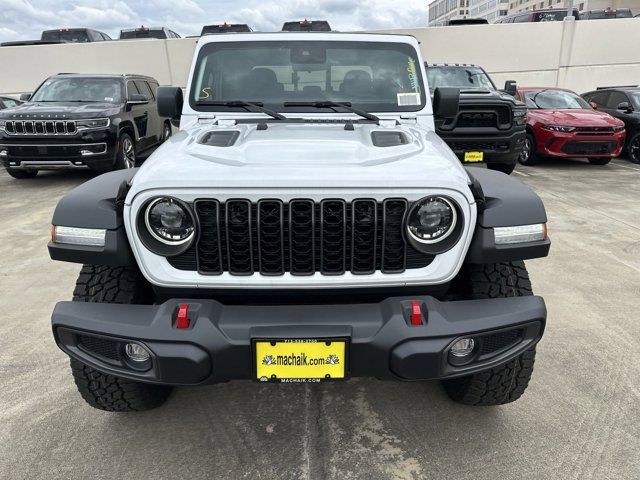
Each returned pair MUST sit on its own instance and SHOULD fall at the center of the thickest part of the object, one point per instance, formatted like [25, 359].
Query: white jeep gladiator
[305, 224]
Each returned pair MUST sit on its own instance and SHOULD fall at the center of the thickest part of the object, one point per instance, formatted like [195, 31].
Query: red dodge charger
[562, 124]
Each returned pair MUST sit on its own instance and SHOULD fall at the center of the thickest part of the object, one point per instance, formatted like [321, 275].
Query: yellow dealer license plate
[473, 157]
[300, 360]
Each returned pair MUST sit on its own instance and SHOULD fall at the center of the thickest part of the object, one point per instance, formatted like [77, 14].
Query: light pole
[570, 10]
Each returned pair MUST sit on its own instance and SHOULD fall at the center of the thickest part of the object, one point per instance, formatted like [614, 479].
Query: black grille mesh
[498, 341]
[99, 346]
[301, 237]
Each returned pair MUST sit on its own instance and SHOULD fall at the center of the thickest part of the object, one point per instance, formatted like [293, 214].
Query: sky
[26, 19]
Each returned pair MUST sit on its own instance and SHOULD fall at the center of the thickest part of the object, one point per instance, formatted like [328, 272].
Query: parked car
[606, 13]
[225, 28]
[62, 35]
[542, 15]
[489, 126]
[80, 121]
[8, 102]
[307, 26]
[296, 236]
[161, 33]
[561, 124]
[622, 103]
[74, 35]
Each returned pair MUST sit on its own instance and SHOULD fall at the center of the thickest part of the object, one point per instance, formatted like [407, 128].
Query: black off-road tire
[100, 283]
[599, 161]
[502, 167]
[22, 174]
[115, 394]
[506, 383]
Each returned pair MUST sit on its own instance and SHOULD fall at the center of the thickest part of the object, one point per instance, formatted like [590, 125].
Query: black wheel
[166, 131]
[506, 383]
[599, 161]
[502, 167]
[126, 154]
[98, 283]
[528, 155]
[22, 174]
[633, 148]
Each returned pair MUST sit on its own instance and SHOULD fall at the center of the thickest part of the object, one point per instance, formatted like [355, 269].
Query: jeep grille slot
[301, 237]
[40, 127]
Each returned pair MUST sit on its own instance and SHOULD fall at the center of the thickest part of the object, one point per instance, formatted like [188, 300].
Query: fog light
[136, 352]
[463, 347]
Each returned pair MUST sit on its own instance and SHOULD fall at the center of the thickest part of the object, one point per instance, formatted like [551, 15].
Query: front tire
[22, 174]
[528, 155]
[126, 154]
[633, 148]
[502, 167]
[505, 383]
[99, 283]
[599, 161]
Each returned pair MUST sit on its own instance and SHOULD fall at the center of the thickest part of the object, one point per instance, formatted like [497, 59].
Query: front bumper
[571, 145]
[504, 148]
[217, 344]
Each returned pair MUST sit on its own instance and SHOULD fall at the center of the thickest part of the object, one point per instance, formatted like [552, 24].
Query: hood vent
[220, 138]
[388, 139]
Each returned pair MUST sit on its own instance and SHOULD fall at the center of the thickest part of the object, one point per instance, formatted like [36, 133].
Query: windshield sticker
[408, 99]
[108, 99]
[413, 76]
[205, 93]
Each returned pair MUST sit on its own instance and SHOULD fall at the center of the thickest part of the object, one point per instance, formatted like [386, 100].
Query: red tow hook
[416, 313]
[183, 316]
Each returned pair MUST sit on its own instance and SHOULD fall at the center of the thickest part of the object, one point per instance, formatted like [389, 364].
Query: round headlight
[169, 221]
[431, 220]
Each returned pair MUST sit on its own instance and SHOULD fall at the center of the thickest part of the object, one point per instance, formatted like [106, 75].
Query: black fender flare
[503, 201]
[97, 203]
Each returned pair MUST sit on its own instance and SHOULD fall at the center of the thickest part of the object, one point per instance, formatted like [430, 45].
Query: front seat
[356, 82]
[262, 82]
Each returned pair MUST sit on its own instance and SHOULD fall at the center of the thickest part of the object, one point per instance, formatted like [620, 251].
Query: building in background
[520, 5]
[440, 11]
[489, 9]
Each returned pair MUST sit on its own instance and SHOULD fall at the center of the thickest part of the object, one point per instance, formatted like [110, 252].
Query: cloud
[25, 19]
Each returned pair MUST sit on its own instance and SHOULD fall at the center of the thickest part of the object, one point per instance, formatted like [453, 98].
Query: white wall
[578, 55]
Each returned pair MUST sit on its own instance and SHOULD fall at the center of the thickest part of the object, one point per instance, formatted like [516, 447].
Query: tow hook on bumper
[386, 340]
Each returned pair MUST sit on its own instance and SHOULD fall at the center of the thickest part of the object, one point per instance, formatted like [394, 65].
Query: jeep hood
[72, 110]
[307, 156]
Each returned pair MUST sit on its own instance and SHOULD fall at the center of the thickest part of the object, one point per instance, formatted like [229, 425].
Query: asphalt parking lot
[579, 419]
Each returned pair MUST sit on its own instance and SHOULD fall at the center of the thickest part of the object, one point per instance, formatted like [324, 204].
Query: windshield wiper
[333, 105]
[533, 99]
[249, 106]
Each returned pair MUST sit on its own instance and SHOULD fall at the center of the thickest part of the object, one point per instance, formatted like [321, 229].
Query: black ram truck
[82, 121]
[490, 124]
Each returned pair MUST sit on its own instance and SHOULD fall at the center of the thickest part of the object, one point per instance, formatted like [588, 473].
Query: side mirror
[25, 97]
[446, 101]
[137, 99]
[593, 105]
[170, 101]
[624, 107]
[511, 87]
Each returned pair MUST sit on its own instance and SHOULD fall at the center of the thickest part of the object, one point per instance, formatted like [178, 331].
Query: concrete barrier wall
[577, 55]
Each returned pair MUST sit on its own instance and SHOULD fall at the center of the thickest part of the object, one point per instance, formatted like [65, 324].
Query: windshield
[460, 77]
[79, 90]
[554, 99]
[553, 16]
[75, 36]
[372, 76]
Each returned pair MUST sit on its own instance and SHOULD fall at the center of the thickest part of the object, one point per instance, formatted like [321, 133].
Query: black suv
[80, 121]
[490, 125]
[623, 103]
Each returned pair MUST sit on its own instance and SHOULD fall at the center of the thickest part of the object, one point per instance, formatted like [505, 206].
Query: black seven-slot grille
[302, 237]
